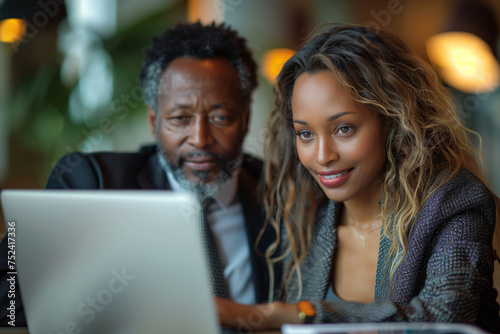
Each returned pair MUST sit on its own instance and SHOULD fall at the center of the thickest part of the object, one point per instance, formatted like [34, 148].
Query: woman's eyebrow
[336, 116]
[329, 119]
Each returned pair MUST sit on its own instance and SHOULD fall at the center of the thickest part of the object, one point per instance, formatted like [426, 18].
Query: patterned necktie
[217, 281]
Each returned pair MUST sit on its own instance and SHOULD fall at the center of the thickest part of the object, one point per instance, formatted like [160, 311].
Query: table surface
[24, 330]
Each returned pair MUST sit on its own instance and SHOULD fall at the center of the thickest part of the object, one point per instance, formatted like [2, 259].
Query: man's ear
[152, 121]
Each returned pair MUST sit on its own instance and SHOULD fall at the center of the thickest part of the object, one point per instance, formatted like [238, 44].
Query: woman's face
[340, 141]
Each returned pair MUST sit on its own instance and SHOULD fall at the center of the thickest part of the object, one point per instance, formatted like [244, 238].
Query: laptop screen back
[110, 261]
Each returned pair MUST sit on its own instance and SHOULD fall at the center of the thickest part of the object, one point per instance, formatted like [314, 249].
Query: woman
[374, 185]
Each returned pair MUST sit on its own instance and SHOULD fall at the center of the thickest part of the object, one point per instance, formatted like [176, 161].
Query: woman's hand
[255, 317]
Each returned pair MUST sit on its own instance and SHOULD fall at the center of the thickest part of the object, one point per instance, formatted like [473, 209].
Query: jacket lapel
[152, 175]
[382, 279]
[316, 270]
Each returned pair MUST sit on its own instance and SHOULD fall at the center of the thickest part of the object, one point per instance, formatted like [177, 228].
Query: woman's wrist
[280, 313]
[260, 316]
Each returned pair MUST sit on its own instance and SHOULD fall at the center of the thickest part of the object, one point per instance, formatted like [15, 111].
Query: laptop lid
[110, 261]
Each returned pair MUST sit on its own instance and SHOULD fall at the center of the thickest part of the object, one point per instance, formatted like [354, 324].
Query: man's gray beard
[202, 190]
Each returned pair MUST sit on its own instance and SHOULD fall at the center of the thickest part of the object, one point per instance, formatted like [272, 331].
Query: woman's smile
[339, 140]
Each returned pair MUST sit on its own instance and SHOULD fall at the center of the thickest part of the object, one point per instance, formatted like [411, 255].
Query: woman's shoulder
[461, 199]
[465, 179]
[462, 190]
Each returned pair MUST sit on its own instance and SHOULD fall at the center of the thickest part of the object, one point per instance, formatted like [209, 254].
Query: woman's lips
[334, 178]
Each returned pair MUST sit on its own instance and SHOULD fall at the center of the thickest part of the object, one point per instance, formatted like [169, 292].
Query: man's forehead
[206, 66]
[191, 74]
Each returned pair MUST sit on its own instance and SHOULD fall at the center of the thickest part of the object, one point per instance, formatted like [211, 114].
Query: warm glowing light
[207, 11]
[273, 61]
[12, 30]
[464, 61]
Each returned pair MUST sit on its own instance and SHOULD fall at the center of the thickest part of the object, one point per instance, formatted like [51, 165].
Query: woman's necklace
[364, 237]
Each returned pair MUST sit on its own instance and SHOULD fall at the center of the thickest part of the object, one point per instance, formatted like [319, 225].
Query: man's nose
[200, 134]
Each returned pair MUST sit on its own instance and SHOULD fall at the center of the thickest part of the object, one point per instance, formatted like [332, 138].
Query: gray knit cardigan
[445, 276]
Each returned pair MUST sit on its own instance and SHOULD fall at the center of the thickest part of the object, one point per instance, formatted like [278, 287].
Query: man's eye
[220, 119]
[178, 119]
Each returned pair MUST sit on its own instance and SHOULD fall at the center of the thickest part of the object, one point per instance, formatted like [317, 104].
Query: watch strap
[307, 313]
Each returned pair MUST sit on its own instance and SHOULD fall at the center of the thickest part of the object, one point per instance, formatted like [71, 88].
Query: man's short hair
[197, 41]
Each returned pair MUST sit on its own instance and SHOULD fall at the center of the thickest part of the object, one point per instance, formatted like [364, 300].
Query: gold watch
[307, 313]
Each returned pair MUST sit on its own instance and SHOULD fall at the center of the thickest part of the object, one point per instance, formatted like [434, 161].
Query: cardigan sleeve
[446, 274]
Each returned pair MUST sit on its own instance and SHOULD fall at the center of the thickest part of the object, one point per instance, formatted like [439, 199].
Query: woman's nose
[326, 152]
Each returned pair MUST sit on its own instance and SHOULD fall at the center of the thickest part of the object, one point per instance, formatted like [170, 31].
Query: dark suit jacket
[141, 170]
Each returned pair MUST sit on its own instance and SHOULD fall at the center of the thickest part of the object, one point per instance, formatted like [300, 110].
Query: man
[197, 81]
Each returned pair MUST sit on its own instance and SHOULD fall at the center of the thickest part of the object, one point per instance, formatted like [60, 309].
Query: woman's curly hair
[426, 144]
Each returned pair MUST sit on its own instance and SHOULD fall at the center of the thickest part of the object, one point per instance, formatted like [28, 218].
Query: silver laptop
[109, 261]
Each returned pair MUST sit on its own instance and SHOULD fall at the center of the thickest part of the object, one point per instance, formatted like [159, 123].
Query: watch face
[306, 312]
[307, 308]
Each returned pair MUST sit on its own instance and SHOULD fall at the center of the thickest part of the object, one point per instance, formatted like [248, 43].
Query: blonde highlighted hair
[426, 144]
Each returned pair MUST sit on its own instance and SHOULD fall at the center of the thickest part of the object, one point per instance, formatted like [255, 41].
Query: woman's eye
[344, 130]
[304, 135]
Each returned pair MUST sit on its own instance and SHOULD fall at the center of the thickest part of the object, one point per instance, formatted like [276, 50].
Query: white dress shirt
[227, 223]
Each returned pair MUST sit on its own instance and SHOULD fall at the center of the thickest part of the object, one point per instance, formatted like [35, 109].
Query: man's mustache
[199, 154]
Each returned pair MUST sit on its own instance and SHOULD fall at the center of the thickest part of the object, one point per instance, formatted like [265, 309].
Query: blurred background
[69, 68]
